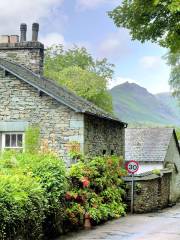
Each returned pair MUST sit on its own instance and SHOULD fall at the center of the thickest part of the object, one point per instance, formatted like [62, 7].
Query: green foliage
[78, 71]
[22, 205]
[85, 84]
[32, 187]
[138, 188]
[96, 189]
[173, 60]
[147, 20]
[156, 171]
[32, 139]
[178, 133]
[57, 59]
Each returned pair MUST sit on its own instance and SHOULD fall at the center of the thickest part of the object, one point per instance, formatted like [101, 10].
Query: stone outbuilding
[27, 98]
[155, 149]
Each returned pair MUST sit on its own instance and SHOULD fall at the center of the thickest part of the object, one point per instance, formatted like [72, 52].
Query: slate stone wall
[60, 126]
[29, 54]
[102, 136]
[150, 194]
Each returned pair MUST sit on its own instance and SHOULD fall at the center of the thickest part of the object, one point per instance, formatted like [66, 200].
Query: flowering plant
[97, 189]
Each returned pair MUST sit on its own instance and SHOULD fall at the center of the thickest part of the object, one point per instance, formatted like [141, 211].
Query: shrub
[41, 177]
[97, 189]
[22, 205]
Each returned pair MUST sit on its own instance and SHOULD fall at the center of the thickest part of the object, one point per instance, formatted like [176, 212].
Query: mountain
[134, 104]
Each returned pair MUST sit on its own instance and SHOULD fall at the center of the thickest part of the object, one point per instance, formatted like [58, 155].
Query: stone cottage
[64, 119]
[155, 148]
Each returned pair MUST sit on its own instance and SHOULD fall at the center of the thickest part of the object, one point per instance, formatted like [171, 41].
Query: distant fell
[134, 104]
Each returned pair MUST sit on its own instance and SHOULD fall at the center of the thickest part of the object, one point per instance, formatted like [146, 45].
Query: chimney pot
[23, 29]
[14, 39]
[4, 39]
[35, 31]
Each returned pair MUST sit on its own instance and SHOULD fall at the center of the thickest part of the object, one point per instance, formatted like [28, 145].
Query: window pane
[7, 140]
[13, 140]
[19, 140]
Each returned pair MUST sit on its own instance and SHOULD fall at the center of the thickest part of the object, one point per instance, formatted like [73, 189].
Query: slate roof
[61, 94]
[148, 144]
[148, 175]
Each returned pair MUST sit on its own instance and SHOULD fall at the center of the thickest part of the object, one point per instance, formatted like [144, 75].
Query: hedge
[39, 197]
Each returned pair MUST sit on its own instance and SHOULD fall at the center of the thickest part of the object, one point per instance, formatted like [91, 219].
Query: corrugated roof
[148, 144]
[61, 94]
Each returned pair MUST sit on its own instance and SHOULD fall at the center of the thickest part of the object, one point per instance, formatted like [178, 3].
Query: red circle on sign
[132, 166]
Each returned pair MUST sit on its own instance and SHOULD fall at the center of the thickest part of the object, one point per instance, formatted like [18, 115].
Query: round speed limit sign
[132, 166]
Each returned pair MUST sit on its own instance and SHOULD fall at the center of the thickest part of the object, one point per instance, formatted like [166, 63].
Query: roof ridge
[51, 88]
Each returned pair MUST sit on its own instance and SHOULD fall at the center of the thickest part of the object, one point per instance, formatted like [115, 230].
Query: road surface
[162, 225]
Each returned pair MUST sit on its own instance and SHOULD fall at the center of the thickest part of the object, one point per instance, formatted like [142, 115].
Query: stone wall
[152, 192]
[60, 126]
[102, 136]
[29, 54]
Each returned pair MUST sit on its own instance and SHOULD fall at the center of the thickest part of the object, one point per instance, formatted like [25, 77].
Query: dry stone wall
[103, 137]
[151, 192]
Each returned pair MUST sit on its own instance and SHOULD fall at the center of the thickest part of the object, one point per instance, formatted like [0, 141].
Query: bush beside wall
[96, 189]
[32, 186]
[39, 198]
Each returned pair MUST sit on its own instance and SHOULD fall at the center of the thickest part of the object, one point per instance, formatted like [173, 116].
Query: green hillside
[135, 104]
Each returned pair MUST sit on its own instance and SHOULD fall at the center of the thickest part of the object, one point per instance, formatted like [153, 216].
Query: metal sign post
[132, 194]
[132, 167]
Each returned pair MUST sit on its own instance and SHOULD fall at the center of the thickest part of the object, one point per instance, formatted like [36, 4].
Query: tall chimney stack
[27, 53]
[23, 29]
[35, 30]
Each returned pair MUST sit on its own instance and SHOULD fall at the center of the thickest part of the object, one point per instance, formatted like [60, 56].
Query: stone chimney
[27, 53]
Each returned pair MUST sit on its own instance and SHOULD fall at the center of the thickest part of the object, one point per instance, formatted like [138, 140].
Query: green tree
[173, 59]
[77, 70]
[154, 20]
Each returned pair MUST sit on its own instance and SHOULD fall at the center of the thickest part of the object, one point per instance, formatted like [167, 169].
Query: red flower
[85, 181]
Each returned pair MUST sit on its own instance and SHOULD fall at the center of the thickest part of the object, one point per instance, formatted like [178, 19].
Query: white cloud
[92, 4]
[56, 38]
[52, 38]
[151, 62]
[115, 45]
[17, 11]
[119, 80]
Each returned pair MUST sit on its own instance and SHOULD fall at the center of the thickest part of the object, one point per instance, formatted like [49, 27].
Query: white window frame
[11, 133]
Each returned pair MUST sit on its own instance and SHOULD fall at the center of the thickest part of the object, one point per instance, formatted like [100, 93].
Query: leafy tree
[174, 61]
[86, 84]
[155, 20]
[77, 70]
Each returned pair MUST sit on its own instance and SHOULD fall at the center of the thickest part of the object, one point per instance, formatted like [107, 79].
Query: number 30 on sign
[132, 166]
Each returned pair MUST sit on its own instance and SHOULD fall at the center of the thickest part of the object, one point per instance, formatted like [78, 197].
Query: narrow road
[163, 225]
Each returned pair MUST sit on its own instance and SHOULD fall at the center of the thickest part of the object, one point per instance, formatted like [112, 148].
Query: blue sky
[86, 23]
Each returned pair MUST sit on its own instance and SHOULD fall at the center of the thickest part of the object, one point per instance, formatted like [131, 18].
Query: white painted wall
[149, 166]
